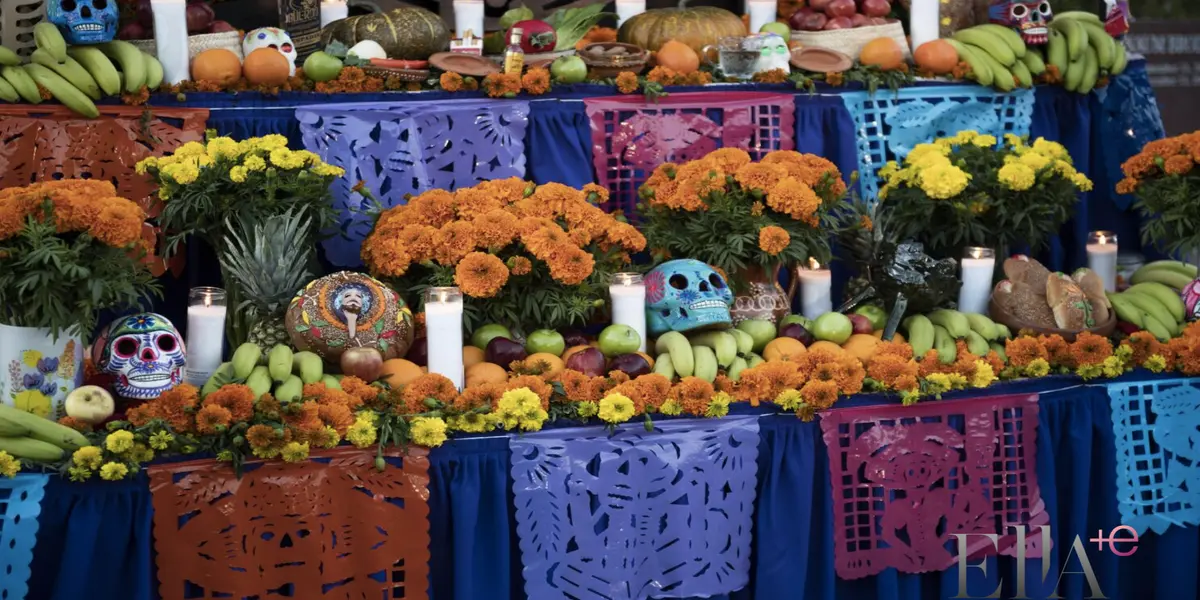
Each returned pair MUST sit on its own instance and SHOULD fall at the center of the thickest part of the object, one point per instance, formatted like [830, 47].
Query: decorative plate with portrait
[349, 310]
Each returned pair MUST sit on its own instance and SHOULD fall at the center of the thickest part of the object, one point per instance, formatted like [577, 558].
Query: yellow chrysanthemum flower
[671, 408]
[325, 170]
[88, 457]
[518, 401]
[113, 471]
[1016, 177]
[789, 400]
[222, 147]
[118, 442]
[295, 451]
[718, 405]
[1113, 367]
[1081, 182]
[984, 374]
[616, 408]
[943, 182]
[1051, 149]
[938, 383]
[1156, 363]
[1038, 367]
[362, 433]
[145, 165]
[428, 431]
[1014, 140]
[254, 162]
[588, 409]
[141, 453]
[985, 141]
[79, 474]
[9, 465]
[1088, 372]
[533, 419]
[191, 149]
[1033, 160]
[161, 440]
[238, 174]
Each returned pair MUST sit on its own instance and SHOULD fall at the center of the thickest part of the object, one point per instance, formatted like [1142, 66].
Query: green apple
[832, 327]
[877, 316]
[320, 66]
[484, 334]
[619, 339]
[800, 319]
[546, 340]
[761, 331]
[779, 29]
[569, 69]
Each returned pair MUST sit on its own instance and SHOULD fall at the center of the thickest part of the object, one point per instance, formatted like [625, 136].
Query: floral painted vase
[41, 370]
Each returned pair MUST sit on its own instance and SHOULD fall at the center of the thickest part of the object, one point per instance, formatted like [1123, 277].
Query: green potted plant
[1164, 178]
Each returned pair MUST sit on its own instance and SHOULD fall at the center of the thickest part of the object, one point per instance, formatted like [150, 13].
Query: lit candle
[205, 333]
[468, 18]
[333, 10]
[628, 9]
[761, 12]
[978, 266]
[923, 23]
[1102, 257]
[171, 39]
[444, 332]
[816, 290]
[628, 294]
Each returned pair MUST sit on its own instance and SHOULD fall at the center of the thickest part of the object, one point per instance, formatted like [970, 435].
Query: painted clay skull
[1117, 18]
[271, 37]
[773, 52]
[84, 21]
[685, 295]
[1191, 300]
[143, 352]
[1028, 17]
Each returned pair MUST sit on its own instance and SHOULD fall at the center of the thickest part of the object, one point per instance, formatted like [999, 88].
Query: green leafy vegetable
[571, 24]
[514, 16]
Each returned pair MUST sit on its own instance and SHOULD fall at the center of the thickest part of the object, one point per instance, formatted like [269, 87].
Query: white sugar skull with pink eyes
[144, 353]
[271, 37]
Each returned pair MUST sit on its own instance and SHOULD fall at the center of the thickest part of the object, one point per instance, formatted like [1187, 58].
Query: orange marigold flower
[1090, 349]
[481, 275]
[1138, 165]
[429, 385]
[76, 424]
[303, 418]
[470, 84]
[451, 82]
[773, 239]
[1058, 349]
[793, 198]
[118, 223]
[386, 255]
[453, 242]
[482, 395]
[535, 384]
[693, 395]
[835, 79]
[888, 369]
[544, 241]
[1178, 165]
[895, 348]
[759, 176]
[993, 360]
[819, 395]
[238, 399]
[495, 229]
[662, 76]
[755, 386]
[696, 78]
[576, 386]
[212, 416]
[1023, 350]
[654, 388]
[261, 436]
[519, 265]
[337, 416]
[312, 390]
[267, 406]
[1143, 345]
[500, 85]
[339, 397]
[139, 415]
[418, 241]
[536, 81]
[626, 236]
[627, 82]
[473, 202]
[772, 76]
[729, 160]
[1164, 148]
[572, 267]
[359, 388]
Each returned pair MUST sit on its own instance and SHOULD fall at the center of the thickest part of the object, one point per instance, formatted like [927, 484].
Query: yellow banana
[70, 70]
[132, 61]
[675, 344]
[1079, 15]
[1002, 78]
[1121, 60]
[99, 67]
[988, 42]
[1102, 43]
[48, 38]
[1009, 36]
[1034, 62]
[1021, 72]
[1077, 36]
[663, 366]
[706, 363]
[1074, 74]
[947, 351]
[1056, 52]
[154, 72]
[1091, 72]
[920, 334]
[62, 90]
[979, 68]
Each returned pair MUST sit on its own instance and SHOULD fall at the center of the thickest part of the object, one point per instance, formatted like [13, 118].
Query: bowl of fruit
[205, 32]
[846, 26]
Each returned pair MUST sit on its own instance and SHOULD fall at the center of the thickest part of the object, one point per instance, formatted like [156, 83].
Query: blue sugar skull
[84, 21]
[685, 295]
[143, 352]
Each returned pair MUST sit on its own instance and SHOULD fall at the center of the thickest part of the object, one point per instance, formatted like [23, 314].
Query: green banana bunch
[62, 90]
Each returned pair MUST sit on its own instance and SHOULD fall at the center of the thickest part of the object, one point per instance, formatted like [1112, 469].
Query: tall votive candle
[1102, 257]
[923, 26]
[444, 332]
[205, 333]
[171, 39]
[628, 295]
[816, 290]
[978, 267]
[333, 10]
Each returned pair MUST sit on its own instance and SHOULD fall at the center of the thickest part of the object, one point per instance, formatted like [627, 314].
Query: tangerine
[485, 372]
[217, 65]
[471, 356]
[678, 57]
[938, 57]
[784, 348]
[267, 66]
[882, 52]
[397, 372]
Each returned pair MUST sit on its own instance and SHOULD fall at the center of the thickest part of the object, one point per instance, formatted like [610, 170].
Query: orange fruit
[572, 350]
[471, 356]
[784, 348]
[555, 363]
[397, 372]
[485, 372]
[266, 66]
[878, 333]
[678, 57]
[937, 57]
[884, 53]
[217, 65]
[861, 346]
[829, 346]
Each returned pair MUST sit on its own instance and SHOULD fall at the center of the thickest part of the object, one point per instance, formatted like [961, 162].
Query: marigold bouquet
[980, 192]
[1167, 185]
[522, 254]
[733, 213]
[69, 249]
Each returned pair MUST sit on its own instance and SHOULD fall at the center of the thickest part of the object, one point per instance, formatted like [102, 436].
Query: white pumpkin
[90, 404]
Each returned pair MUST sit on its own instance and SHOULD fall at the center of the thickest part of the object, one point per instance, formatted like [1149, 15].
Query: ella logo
[1077, 549]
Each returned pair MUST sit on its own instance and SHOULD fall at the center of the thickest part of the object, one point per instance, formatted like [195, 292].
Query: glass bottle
[514, 56]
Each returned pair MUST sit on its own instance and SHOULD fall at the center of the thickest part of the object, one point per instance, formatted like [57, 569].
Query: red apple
[839, 23]
[132, 31]
[876, 8]
[590, 362]
[796, 21]
[858, 20]
[877, 21]
[819, 4]
[861, 324]
[363, 363]
[814, 22]
[797, 332]
[221, 27]
[841, 8]
[633, 365]
[572, 338]
[504, 352]
[199, 16]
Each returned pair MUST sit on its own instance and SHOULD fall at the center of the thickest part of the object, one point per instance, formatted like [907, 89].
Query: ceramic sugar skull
[271, 37]
[1117, 18]
[685, 295]
[1191, 300]
[349, 310]
[1028, 17]
[773, 52]
[143, 352]
[84, 21]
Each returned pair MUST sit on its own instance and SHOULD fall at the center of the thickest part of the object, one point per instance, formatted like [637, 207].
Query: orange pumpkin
[938, 57]
[697, 27]
[217, 65]
[266, 66]
[678, 57]
[884, 53]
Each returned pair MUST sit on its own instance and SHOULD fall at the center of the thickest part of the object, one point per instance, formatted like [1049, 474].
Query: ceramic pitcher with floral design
[39, 370]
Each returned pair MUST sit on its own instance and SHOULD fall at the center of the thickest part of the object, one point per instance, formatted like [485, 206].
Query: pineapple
[267, 263]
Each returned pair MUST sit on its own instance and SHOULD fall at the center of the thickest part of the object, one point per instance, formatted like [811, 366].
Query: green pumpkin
[407, 33]
[696, 27]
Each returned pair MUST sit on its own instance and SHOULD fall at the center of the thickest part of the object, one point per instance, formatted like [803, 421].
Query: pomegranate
[839, 23]
[819, 5]
[858, 20]
[132, 31]
[796, 21]
[199, 17]
[814, 22]
[537, 37]
[876, 8]
[841, 8]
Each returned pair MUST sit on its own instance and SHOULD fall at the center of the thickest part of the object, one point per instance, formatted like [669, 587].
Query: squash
[406, 33]
[697, 27]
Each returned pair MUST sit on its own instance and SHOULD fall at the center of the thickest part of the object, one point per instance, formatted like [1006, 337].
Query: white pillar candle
[628, 9]
[1102, 257]
[205, 333]
[333, 10]
[816, 290]
[468, 17]
[978, 267]
[628, 294]
[444, 332]
[171, 39]
[923, 26]
[761, 12]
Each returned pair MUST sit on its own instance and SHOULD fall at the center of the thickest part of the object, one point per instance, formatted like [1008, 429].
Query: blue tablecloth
[95, 539]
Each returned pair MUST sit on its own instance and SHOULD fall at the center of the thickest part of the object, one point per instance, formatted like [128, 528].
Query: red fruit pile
[200, 20]
[841, 14]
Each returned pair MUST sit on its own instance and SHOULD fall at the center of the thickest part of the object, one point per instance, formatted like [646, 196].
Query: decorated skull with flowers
[980, 191]
[522, 254]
